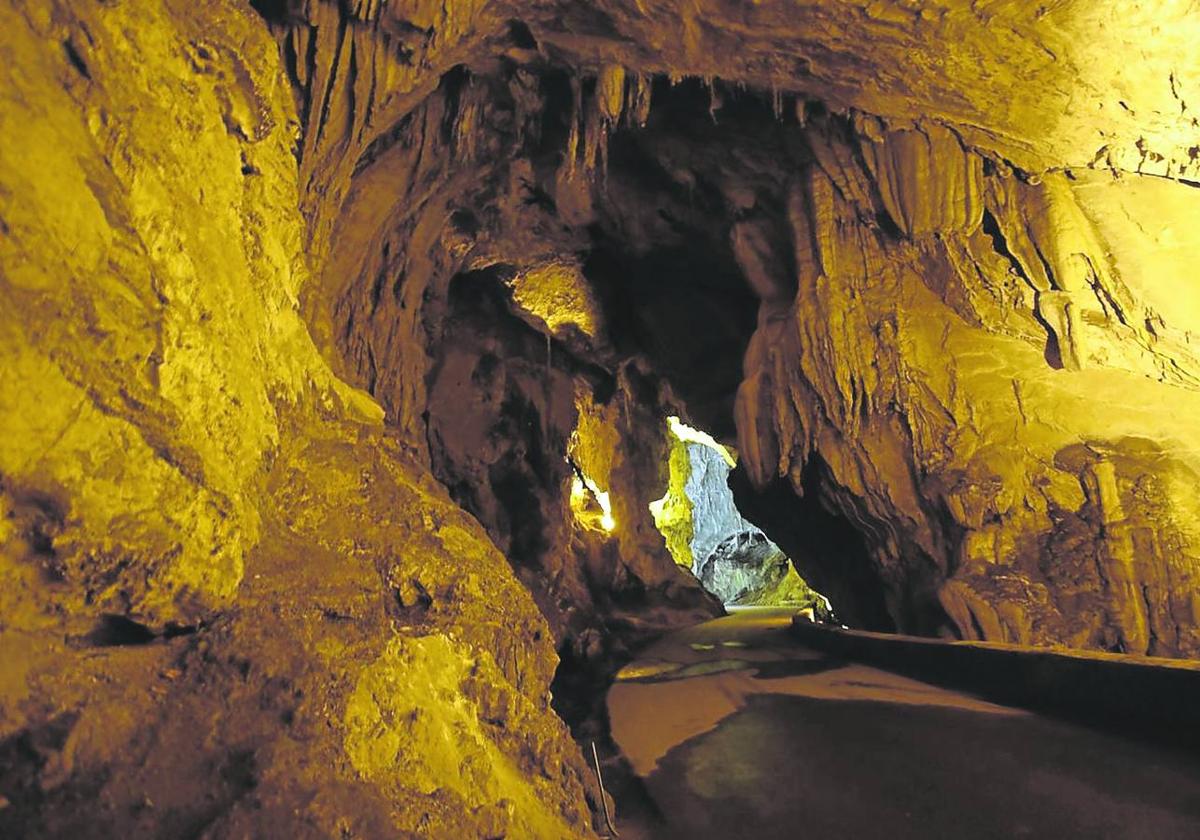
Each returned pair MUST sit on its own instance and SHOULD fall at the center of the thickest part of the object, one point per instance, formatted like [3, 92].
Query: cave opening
[573, 298]
[708, 535]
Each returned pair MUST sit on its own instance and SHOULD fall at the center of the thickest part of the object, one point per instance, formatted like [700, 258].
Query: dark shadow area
[662, 261]
[829, 552]
[24, 754]
[687, 309]
[502, 410]
[274, 11]
[789, 766]
[113, 630]
[1154, 703]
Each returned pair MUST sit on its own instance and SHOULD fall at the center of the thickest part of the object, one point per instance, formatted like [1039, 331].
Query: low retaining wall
[1144, 696]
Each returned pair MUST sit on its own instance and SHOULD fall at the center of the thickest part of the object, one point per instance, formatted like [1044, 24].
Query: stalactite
[610, 93]
[466, 122]
[981, 378]
[638, 110]
[595, 130]
[576, 116]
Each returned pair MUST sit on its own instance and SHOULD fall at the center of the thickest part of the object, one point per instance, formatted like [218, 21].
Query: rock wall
[457, 295]
[706, 533]
[733, 558]
[748, 570]
[714, 513]
[231, 604]
[1073, 83]
[958, 364]
[931, 318]
[985, 393]
[512, 420]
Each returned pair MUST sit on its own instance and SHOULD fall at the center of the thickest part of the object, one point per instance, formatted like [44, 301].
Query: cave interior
[379, 379]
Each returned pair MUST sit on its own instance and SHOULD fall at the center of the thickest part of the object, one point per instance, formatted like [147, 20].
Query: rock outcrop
[231, 604]
[456, 293]
[707, 534]
[748, 570]
[970, 375]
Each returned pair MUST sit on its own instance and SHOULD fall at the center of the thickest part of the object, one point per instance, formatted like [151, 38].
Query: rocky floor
[736, 731]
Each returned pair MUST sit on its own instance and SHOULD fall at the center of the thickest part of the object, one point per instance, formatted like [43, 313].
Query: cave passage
[707, 534]
[354, 359]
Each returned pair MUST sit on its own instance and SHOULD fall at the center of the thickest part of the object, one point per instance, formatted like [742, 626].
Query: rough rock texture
[1069, 83]
[748, 570]
[715, 517]
[959, 393]
[939, 298]
[457, 295]
[886, 261]
[215, 564]
[912, 259]
[510, 427]
[673, 512]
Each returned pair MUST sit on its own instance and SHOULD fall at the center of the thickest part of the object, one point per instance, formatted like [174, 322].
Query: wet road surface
[737, 732]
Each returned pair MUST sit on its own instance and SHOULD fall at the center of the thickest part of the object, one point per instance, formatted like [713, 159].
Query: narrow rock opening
[707, 534]
[828, 550]
[589, 269]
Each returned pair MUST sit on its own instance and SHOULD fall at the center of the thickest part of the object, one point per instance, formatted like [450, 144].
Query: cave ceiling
[1042, 84]
[919, 188]
[1046, 84]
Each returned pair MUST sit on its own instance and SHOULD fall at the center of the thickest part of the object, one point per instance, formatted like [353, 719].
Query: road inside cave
[738, 731]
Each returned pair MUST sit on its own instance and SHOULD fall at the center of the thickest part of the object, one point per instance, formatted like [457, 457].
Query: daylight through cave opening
[707, 534]
[532, 317]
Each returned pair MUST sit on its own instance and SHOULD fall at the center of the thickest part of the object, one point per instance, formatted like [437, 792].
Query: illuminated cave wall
[930, 268]
[231, 603]
[921, 326]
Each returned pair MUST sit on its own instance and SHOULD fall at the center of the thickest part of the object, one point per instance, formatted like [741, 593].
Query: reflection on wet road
[738, 732]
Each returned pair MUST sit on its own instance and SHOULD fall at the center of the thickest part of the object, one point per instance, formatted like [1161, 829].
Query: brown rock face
[994, 482]
[935, 325]
[912, 261]
[217, 569]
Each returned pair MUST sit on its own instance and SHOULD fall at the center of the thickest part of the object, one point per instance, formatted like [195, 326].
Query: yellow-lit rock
[436, 737]
[673, 512]
[1045, 85]
[209, 548]
[943, 255]
[1027, 400]
[559, 297]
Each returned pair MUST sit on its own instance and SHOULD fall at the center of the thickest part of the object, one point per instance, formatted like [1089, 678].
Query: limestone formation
[707, 534]
[748, 570]
[337, 342]
[995, 476]
[214, 559]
